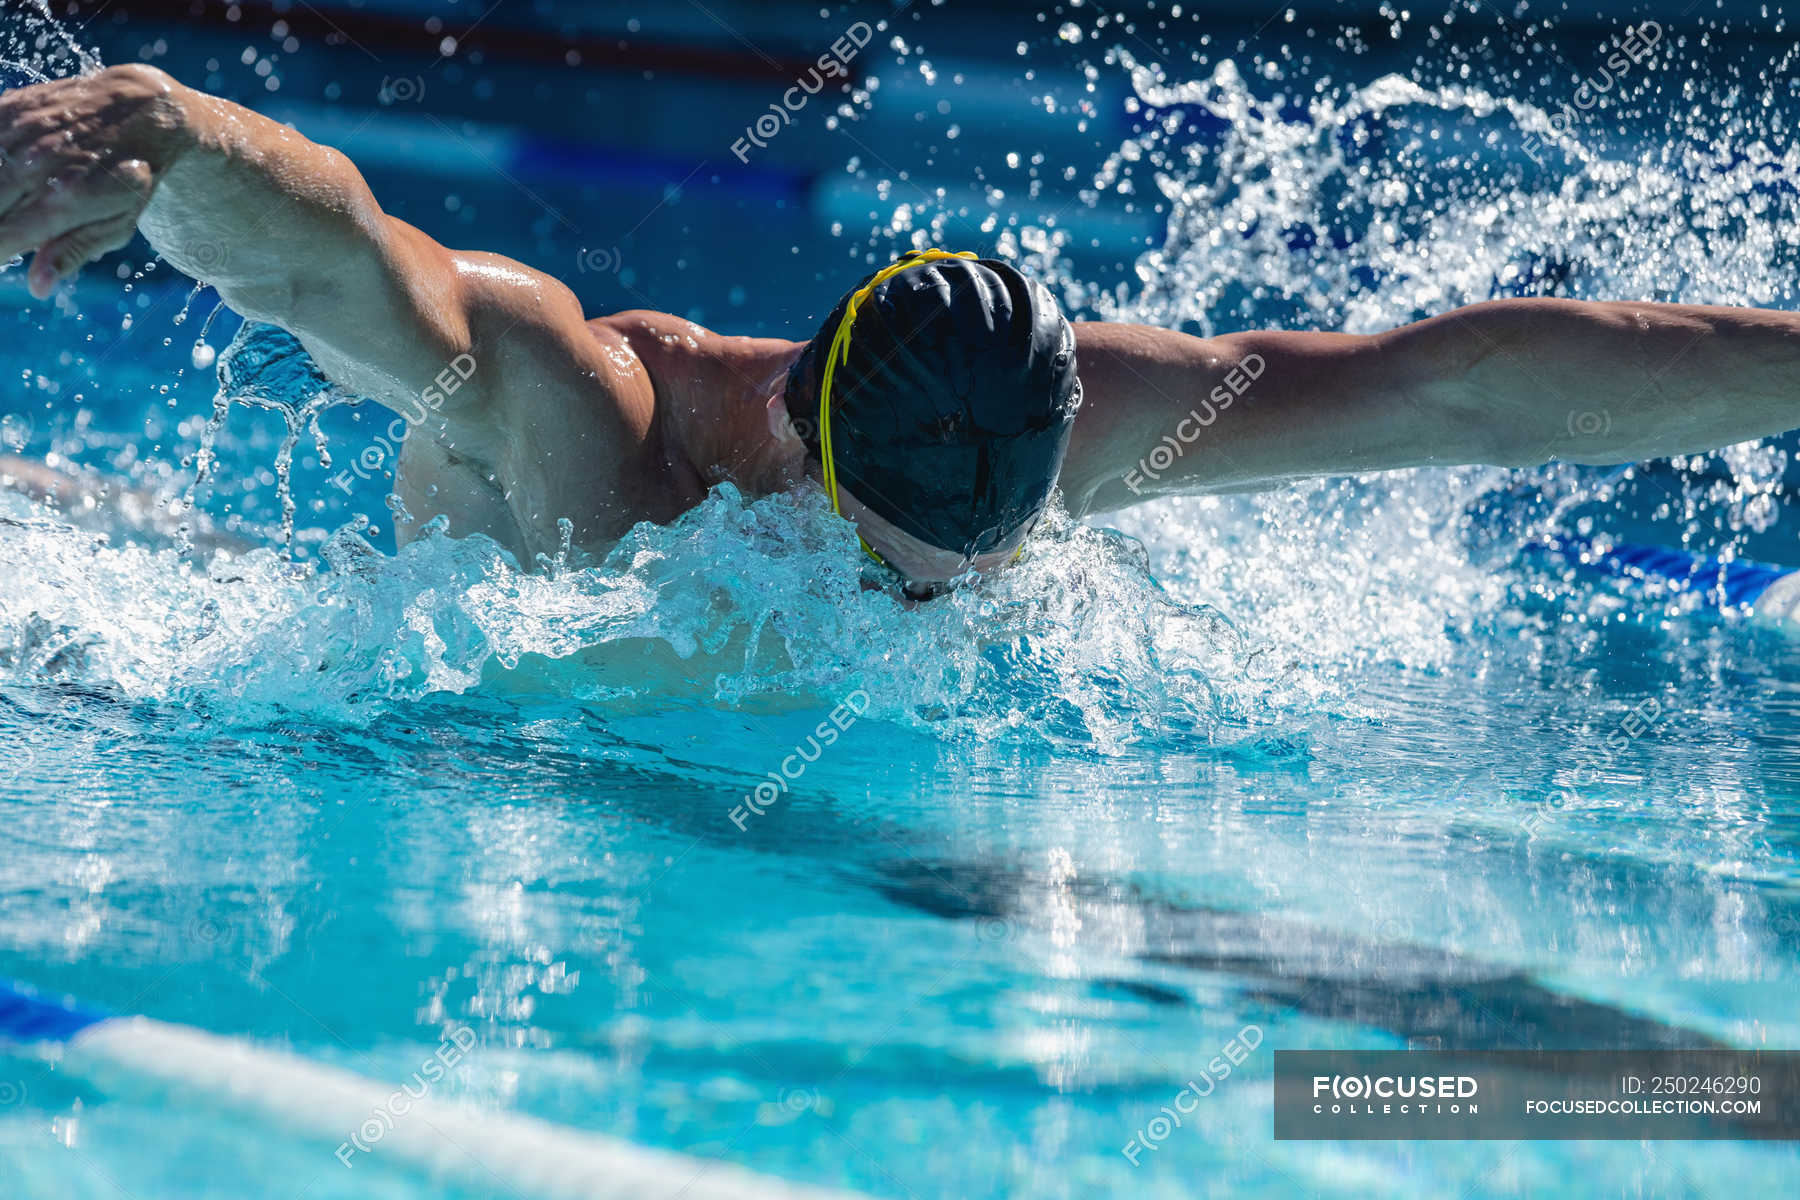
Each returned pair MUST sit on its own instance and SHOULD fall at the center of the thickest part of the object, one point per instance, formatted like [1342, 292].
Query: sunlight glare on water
[1305, 759]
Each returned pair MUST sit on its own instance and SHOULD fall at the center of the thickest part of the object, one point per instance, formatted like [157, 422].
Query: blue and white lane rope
[1741, 586]
[448, 1141]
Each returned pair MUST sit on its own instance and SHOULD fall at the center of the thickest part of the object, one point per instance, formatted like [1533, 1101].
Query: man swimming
[939, 405]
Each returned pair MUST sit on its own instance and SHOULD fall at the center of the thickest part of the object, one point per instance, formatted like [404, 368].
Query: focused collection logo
[1385, 1095]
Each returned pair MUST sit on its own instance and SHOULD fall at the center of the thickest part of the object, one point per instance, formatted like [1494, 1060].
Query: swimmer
[939, 405]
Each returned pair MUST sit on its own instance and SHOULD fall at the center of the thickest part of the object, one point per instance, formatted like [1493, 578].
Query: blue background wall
[594, 140]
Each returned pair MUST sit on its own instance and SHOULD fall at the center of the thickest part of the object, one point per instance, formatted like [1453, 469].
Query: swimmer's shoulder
[654, 357]
[695, 371]
[675, 346]
[712, 393]
[669, 347]
[644, 340]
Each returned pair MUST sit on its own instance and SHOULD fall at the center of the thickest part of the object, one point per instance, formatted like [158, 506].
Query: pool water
[1337, 763]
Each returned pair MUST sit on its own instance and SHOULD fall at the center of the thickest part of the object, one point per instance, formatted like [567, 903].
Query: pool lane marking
[1728, 585]
[329, 1104]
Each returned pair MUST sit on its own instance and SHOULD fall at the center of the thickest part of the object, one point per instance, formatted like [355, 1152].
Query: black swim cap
[951, 410]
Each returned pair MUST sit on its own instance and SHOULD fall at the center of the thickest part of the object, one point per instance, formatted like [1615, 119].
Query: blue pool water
[1338, 763]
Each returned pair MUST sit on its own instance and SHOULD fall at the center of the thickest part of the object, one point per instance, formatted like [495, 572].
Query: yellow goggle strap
[840, 351]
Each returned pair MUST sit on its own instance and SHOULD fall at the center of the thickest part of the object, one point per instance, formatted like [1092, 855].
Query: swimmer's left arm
[1164, 413]
[1503, 383]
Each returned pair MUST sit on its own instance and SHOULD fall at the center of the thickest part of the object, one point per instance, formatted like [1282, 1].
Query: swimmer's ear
[786, 451]
[781, 427]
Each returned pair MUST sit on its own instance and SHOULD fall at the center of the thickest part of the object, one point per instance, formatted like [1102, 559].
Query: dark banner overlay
[1508, 1095]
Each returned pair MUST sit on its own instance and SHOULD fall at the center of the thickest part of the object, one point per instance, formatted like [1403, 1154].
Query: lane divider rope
[1729, 585]
[448, 1140]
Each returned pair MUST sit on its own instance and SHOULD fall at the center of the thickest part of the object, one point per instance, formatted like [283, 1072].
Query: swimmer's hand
[79, 159]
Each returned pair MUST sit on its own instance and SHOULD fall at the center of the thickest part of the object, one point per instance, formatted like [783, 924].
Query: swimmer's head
[936, 402]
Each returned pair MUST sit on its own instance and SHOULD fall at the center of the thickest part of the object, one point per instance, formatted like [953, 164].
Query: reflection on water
[1306, 760]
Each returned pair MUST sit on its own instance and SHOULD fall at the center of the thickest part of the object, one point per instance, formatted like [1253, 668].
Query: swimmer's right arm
[285, 229]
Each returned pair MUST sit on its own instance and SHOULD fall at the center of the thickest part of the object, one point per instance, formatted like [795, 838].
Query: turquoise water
[1336, 762]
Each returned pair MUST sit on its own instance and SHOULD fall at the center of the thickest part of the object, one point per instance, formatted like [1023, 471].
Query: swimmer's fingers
[69, 205]
[58, 203]
[35, 143]
[61, 258]
[69, 127]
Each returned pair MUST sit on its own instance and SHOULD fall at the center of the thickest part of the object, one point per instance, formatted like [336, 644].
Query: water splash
[267, 368]
[36, 47]
[740, 603]
[1287, 200]
[1295, 200]
[1365, 207]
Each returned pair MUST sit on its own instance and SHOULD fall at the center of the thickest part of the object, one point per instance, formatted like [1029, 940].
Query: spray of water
[267, 368]
[1290, 199]
[1287, 199]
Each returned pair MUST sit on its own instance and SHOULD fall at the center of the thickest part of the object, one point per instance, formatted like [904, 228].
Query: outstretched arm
[288, 233]
[1505, 383]
[285, 229]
